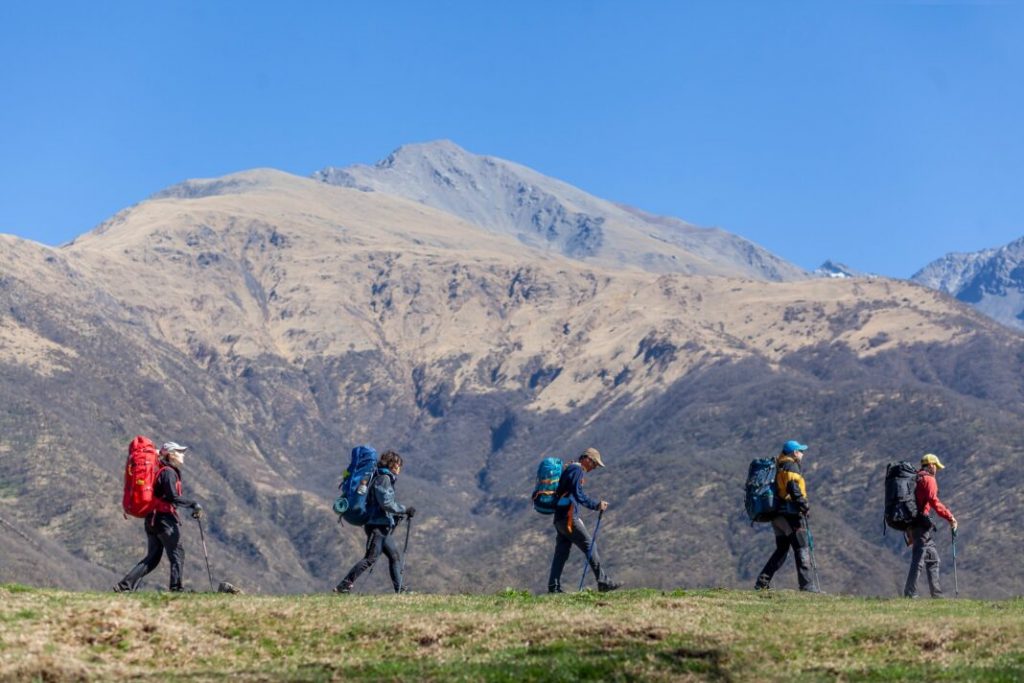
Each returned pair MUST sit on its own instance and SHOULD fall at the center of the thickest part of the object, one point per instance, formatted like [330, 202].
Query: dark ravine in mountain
[272, 322]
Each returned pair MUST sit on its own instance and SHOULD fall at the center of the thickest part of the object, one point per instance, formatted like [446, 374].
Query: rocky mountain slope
[272, 322]
[991, 280]
[550, 215]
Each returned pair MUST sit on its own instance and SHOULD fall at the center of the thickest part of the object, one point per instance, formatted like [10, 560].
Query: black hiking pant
[564, 541]
[163, 533]
[790, 532]
[378, 538]
[924, 556]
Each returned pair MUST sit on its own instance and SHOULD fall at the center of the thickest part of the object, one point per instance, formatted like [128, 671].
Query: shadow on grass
[556, 663]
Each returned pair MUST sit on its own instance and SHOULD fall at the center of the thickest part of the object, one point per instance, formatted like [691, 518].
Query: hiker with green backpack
[789, 522]
[382, 515]
[569, 527]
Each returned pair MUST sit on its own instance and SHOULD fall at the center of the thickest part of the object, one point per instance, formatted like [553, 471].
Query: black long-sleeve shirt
[165, 488]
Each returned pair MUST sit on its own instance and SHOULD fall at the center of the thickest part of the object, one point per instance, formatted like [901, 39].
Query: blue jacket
[570, 491]
[381, 501]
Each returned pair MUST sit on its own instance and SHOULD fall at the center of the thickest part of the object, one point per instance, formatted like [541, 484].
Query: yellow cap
[932, 459]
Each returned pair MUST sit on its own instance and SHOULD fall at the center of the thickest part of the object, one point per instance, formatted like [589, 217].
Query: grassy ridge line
[512, 636]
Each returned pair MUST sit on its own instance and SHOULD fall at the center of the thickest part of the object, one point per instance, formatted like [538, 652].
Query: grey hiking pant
[162, 533]
[789, 533]
[564, 541]
[378, 538]
[926, 556]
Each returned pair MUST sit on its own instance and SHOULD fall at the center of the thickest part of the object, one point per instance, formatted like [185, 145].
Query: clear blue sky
[882, 134]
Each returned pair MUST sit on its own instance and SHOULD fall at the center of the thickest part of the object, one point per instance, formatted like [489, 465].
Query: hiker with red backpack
[382, 515]
[920, 533]
[569, 527]
[153, 491]
[789, 522]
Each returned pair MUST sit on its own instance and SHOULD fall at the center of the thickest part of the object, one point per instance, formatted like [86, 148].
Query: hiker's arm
[930, 493]
[385, 495]
[796, 493]
[581, 497]
[167, 491]
[940, 509]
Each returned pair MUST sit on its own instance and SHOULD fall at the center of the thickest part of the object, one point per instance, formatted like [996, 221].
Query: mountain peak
[424, 150]
[548, 214]
[991, 280]
[233, 183]
[834, 269]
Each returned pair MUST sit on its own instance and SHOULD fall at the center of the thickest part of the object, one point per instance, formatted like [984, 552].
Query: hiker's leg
[782, 531]
[930, 559]
[802, 557]
[170, 536]
[563, 545]
[374, 541]
[154, 551]
[581, 539]
[916, 563]
[394, 556]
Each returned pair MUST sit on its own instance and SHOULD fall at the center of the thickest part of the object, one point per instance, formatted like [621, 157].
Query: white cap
[172, 447]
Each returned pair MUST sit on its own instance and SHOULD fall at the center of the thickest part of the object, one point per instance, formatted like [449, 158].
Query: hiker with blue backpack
[789, 520]
[369, 499]
[569, 527]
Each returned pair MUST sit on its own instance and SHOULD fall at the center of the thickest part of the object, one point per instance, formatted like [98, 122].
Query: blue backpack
[351, 505]
[548, 473]
[761, 497]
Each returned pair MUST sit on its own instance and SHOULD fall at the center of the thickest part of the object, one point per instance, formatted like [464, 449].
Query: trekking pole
[810, 547]
[405, 548]
[205, 553]
[590, 551]
[956, 586]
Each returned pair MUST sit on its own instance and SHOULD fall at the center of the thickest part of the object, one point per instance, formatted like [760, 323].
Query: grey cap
[172, 447]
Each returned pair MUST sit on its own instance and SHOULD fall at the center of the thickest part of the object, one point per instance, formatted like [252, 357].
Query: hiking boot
[763, 583]
[555, 589]
[343, 588]
[118, 588]
[608, 586]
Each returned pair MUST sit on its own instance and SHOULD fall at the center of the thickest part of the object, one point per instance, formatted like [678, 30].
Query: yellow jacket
[788, 479]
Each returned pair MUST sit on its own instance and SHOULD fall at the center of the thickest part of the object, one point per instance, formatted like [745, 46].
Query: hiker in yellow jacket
[789, 524]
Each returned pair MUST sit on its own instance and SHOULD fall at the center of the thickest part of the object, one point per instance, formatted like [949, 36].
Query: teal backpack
[548, 473]
[355, 485]
[761, 499]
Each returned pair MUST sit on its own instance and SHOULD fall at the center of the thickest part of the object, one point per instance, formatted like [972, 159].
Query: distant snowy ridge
[834, 269]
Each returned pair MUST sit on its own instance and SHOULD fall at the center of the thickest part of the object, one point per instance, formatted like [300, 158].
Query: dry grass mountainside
[271, 322]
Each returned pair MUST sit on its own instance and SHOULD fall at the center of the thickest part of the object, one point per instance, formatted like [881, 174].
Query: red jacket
[927, 494]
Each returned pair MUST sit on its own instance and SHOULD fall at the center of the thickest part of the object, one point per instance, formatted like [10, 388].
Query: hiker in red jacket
[162, 525]
[924, 553]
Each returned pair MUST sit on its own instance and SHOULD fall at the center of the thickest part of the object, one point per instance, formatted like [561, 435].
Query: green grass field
[513, 636]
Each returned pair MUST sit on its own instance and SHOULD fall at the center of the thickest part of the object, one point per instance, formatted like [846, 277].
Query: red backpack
[139, 476]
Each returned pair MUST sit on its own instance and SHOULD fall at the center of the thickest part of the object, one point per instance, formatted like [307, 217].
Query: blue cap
[793, 447]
